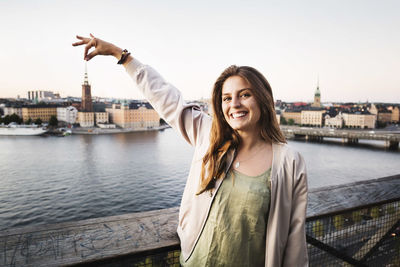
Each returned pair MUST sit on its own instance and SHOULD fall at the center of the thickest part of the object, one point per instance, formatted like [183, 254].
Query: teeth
[238, 115]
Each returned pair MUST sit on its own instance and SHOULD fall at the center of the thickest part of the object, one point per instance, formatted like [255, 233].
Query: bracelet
[124, 56]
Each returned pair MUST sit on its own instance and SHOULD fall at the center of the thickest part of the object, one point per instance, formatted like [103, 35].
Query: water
[51, 179]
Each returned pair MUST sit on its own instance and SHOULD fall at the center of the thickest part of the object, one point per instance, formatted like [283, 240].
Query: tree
[380, 124]
[38, 121]
[53, 121]
[283, 121]
[11, 118]
[291, 121]
[29, 121]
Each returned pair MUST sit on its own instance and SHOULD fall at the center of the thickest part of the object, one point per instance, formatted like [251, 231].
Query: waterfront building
[34, 112]
[383, 115]
[334, 121]
[312, 117]
[86, 105]
[67, 114]
[294, 114]
[395, 114]
[101, 117]
[12, 110]
[359, 119]
[86, 119]
[134, 115]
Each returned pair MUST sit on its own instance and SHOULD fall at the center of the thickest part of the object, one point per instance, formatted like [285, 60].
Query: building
[86, 119]
[138, 115]
[86, 105]
[312, 117]
[395, 115]
[383, 115]
[43, 112]
[67, 114]
[42, 95]
[294, 114]
[101, 117]
[12, 110]
[359, 119]
[334, 121]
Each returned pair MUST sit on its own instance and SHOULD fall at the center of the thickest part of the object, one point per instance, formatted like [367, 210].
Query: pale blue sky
[353, 46]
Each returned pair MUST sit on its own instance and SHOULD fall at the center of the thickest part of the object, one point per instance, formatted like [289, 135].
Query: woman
[245, 198]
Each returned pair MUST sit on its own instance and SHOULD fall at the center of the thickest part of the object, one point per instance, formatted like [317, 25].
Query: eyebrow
[241, 90]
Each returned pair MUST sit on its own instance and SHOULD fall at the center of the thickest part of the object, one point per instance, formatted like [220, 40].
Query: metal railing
[362, 236]
[355, 224]
[367, 235]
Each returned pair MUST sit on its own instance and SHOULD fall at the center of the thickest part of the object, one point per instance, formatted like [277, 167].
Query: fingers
[78, 43]
[91, 55]
[89, 45]
[84, 40]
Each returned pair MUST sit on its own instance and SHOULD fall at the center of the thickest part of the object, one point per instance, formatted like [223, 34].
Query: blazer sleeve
[168, 102]
[296, 246]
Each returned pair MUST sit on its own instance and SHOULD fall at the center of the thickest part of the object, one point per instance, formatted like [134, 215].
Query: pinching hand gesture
[100, 47]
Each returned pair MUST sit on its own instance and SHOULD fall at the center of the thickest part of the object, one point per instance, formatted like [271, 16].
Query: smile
[239, 114]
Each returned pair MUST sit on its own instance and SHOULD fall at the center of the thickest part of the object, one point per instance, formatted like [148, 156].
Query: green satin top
[235, 230]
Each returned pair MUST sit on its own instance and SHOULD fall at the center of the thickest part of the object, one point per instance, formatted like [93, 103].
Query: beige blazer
[285, 235]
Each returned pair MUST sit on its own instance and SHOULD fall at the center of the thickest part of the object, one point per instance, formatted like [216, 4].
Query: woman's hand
[100, 47]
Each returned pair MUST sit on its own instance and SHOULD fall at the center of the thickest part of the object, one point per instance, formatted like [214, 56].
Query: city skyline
[353, 47]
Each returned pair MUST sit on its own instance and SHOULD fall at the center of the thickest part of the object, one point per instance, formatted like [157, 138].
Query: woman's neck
[250, 140]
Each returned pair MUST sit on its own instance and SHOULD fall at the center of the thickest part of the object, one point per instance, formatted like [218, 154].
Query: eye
[226, 99]
[245, 95]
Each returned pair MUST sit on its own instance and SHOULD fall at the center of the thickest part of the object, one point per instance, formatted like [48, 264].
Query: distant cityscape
[88, 112]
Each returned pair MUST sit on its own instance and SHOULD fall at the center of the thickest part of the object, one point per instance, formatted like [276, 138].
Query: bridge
[391, 138]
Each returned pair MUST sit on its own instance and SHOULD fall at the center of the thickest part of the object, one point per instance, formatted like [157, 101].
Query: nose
[235, 102]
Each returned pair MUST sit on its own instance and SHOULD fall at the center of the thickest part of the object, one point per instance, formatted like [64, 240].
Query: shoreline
[96, 130]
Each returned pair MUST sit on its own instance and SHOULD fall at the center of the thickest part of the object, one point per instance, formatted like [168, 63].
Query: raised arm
[187, 119]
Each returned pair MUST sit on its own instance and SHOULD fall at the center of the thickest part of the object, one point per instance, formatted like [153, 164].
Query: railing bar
[333, 251]
[333, 213]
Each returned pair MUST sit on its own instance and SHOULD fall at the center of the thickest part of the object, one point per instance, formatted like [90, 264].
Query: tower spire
[86, 78]
[86, 104]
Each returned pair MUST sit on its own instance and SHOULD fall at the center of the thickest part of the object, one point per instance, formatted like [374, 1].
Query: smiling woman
[245, 200]
[240, 107]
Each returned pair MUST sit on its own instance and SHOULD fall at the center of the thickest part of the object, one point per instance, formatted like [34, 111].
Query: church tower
[317, 97]
[86, 104]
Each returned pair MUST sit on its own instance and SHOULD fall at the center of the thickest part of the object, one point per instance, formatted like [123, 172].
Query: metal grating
[362, 236]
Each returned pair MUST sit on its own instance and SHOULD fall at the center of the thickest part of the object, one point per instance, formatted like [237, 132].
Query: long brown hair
[223, 137]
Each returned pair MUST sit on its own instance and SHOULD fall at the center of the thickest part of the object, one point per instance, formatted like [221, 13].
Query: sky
[351, 46]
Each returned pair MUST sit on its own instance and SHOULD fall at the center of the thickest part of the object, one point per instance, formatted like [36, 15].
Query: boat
[15, 129]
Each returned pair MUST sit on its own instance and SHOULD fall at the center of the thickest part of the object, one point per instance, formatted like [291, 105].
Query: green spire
[317, 92]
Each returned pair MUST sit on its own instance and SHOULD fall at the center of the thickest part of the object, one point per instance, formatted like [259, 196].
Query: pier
[391, 139]
[351, 224]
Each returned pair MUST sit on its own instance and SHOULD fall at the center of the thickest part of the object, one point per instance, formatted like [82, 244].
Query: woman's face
[239, 105]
